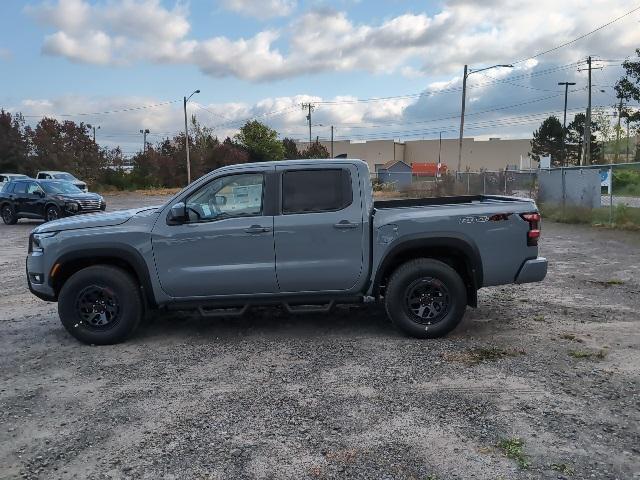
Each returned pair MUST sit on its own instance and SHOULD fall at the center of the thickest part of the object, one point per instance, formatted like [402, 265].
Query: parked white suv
[55, 175]
[7, 177]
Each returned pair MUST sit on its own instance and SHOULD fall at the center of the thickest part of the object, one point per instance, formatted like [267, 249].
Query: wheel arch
[455, 250]
[124, 257]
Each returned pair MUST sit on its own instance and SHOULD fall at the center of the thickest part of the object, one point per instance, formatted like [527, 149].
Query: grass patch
[588, 355]
[562, 468]
[475, 356]
[624, 217]
[572, 337]
[513, 448]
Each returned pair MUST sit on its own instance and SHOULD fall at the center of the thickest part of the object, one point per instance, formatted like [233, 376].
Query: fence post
[611, 196]
[564, 192]
[484, 183]
[505, 181]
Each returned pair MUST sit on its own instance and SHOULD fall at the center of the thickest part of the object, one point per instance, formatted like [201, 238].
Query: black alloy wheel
[98, 307]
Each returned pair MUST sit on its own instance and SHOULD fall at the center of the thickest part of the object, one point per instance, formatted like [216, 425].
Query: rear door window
[315, 191]
[20, 188]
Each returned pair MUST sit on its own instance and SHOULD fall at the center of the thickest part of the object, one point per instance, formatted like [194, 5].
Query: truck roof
[301, 161]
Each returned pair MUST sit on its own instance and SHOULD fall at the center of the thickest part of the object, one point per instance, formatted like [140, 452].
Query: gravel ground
[541, 381]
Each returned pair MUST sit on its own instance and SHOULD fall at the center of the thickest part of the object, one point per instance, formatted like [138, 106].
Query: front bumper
[35, 266]
[533, 270]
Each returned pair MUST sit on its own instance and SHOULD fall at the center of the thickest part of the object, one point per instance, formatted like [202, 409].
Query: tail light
[533, 235]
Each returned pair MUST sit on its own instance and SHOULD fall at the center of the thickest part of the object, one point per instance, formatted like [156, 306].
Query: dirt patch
[337, 396]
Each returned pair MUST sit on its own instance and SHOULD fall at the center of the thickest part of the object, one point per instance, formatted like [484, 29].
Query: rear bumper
[533, 270]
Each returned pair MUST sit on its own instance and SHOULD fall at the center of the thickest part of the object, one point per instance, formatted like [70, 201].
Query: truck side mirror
[177, 213]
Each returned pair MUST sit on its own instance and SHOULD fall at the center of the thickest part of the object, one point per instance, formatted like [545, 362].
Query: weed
[539, 318]
[572, 337]
[562, 468]
[583, 354]
[514, 448]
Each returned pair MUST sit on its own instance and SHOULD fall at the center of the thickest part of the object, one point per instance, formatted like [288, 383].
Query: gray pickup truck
[303, 234]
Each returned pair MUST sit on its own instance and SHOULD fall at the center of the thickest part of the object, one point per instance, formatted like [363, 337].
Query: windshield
[64, 176]
[60, 187]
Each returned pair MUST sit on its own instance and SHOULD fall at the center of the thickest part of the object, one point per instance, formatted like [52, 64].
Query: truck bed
[451, 200]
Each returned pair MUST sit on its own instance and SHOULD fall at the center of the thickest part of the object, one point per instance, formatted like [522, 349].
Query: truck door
[225, 247]
[319, 234]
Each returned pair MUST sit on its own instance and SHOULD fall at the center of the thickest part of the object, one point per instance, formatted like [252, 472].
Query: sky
[373, 70]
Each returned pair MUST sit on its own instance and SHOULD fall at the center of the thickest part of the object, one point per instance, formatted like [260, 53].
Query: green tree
[547, 140]
[290, 149]
[13, 143]
[628, 87]
[315, 150]
[260, 142]
[575, 140]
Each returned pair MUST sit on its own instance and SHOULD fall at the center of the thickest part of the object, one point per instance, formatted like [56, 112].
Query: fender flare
[446, 240]
[126, 253]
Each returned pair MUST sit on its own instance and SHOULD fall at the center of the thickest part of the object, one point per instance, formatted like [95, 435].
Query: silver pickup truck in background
[303, 234]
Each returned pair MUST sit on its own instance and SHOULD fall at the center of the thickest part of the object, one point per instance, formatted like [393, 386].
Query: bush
[626, 182]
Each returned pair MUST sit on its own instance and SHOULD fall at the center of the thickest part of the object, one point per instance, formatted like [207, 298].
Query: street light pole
[186, 135]
[144, 140]
[564, 123]
[466, 74]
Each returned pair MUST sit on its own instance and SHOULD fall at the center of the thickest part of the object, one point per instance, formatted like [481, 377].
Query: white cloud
[413, 44]
[261, 8]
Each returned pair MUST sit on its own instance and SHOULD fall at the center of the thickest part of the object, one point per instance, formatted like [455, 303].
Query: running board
[309, 308]
[223, 312]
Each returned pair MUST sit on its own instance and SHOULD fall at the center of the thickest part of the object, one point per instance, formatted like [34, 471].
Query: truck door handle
[344, 224]
[257, 229]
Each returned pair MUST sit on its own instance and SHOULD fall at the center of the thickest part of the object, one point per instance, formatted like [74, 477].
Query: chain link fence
[597, 194]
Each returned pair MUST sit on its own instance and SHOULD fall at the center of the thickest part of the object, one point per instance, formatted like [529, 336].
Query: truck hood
[92, 220]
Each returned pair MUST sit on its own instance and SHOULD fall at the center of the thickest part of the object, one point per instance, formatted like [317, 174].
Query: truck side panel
[493, 229]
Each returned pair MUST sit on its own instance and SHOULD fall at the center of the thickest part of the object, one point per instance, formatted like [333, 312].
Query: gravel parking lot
[541, 381]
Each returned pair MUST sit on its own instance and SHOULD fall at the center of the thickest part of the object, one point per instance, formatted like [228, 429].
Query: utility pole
[587, 124]
[144, 140]
[468, 72]
[618, 132]
[186, 135]
[94, 128]
[310, 107]
[564, 123]
[627, 137]
[331, 141]
[464, 95]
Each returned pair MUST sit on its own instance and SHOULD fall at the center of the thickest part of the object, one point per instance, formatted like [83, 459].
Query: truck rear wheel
[100, 305]
[425, 298]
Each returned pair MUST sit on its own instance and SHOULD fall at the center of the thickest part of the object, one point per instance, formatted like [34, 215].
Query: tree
[260, 142]
[628, 87]
[315, 150]
[575, 140]
[290, 149]
[547, 140]
[13, 143]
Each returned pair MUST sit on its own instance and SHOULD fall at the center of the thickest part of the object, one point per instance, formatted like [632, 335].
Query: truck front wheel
[100, 305]
[425, 298]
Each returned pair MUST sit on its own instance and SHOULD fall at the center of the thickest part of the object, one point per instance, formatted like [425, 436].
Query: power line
[558, 47]
[108, 112]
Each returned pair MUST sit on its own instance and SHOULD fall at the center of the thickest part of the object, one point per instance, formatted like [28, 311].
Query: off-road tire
[414, 274]
[115, 283]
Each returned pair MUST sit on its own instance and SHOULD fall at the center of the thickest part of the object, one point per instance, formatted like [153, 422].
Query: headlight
[35, 241]
[71, 206]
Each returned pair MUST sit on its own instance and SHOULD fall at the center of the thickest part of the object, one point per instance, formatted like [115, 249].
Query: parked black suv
[45, 199]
